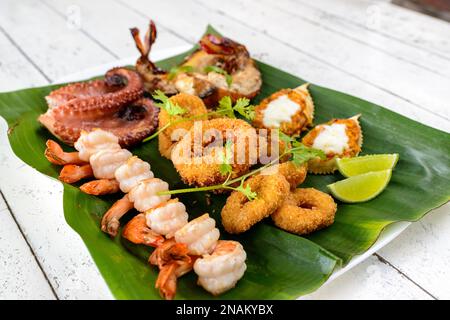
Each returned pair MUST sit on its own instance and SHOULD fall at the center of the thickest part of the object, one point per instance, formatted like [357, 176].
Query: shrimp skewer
[161, 223]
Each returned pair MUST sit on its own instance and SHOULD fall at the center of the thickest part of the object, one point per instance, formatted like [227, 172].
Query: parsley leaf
[176, 70]
[228, 77]
[171, 108]
[226, 156]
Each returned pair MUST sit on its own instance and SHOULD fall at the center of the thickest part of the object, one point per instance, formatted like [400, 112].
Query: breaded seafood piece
[199, 154]
[239, 213]
[294, 174]
[305, 211]
[194, 108]
[338, 138]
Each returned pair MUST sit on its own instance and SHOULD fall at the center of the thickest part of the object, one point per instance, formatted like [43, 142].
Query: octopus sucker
[305, 211]
[114, 104]
[290, 110]
[338, 138]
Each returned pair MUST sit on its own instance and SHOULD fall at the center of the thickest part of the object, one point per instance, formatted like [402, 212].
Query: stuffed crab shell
[290, 110]
[338, 138]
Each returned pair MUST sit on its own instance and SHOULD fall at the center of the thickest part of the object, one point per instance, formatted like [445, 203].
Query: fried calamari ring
[194, 107]
[305, 211]
[294, 174]
[239, 214]
[199, 154]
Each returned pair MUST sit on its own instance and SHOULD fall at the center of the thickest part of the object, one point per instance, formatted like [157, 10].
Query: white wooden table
[388, 55]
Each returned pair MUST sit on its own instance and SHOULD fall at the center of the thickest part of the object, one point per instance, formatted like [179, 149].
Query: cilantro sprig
[242, 106]
[225, 167]
[299, 154]
[165, 103]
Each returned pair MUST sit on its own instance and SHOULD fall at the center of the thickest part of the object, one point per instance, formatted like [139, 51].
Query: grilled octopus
[115, 104]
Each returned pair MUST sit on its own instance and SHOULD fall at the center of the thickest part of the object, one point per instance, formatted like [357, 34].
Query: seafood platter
[213, 175]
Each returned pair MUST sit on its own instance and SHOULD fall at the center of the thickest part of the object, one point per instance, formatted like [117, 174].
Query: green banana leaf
[280, 265]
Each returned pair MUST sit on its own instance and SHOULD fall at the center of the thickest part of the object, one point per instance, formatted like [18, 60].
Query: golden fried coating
[355, 139]
[194, 107]
[299, 121]
[305, 211]
[199, 154]
[267, 151]
[239, 214]
[294, 174]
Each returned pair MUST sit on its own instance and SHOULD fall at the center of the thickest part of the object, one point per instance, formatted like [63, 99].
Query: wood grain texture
[20, 275]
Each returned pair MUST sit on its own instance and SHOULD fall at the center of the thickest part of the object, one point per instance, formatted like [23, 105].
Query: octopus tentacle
[114, 104]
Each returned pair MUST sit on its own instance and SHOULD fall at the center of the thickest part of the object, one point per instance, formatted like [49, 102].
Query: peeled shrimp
[94, 141]
[145, 194]
[105, 162]
[167, 218]
[222, 269]
[200, 235]
[132, 172]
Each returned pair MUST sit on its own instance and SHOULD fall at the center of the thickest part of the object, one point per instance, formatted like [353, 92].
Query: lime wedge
[361, 188]
[350, 167]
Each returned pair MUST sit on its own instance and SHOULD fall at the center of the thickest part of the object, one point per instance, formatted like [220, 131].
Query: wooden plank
[325, 18]
[406, 26]
[15, 70]
[113, 30]
[423, 252]
[48, 39]
[372, 279]
[372, 66]
[20, 274]
[192, 25]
